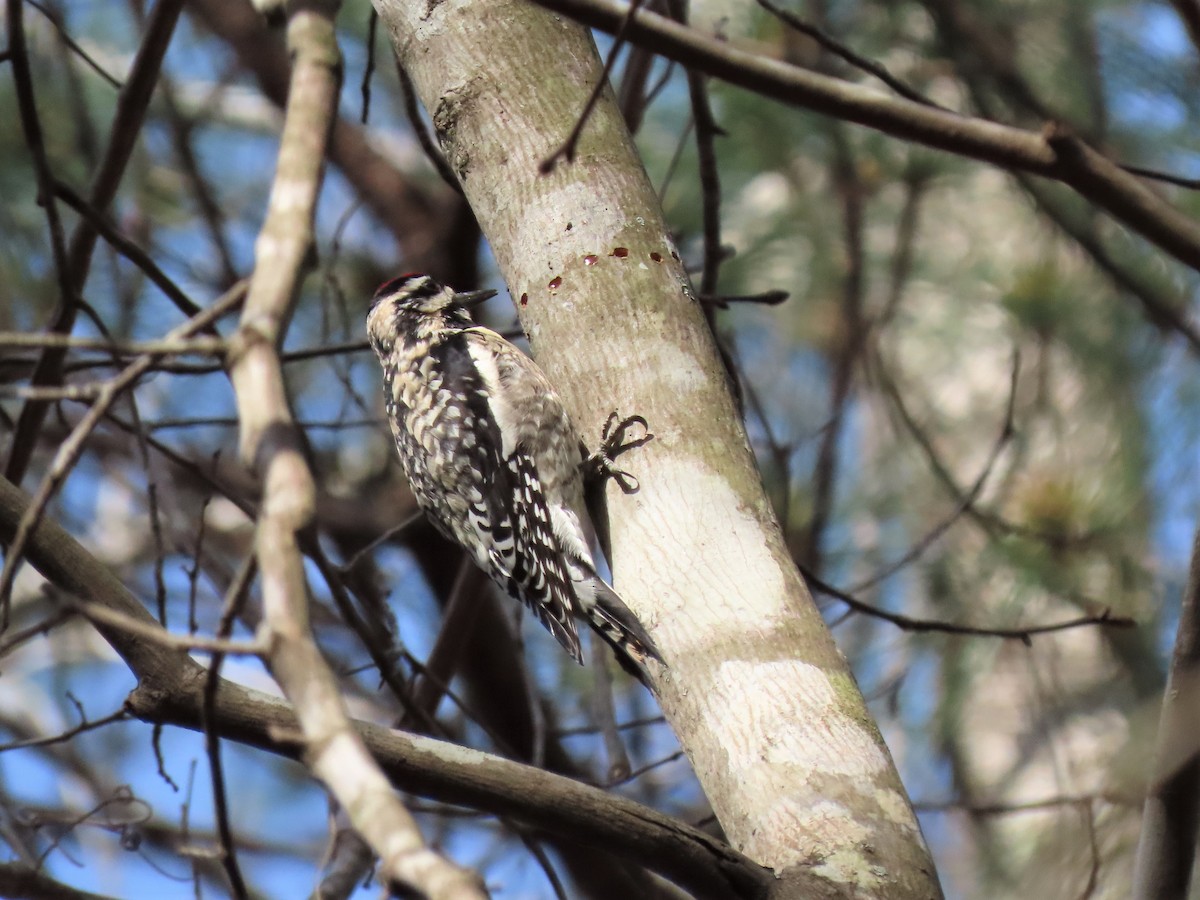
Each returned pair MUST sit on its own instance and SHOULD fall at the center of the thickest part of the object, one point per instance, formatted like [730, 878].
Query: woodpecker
[494, 462]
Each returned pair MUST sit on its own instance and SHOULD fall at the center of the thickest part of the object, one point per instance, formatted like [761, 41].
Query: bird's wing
[511, 517]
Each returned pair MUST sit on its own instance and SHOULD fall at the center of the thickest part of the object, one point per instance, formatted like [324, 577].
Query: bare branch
[845, 53]
[86, 725]
[1055, 153]
[73, 268]
[270, 443]
[68, 452]
[226, 845]
[910, 623]
[566, 150]
[98, 614]
[967, 501]
[164, 347]
[171, 692]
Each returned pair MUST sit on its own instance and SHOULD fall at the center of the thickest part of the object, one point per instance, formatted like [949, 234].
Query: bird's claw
[602, 463]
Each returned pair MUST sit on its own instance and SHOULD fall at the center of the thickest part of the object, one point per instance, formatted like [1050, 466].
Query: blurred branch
[1189, 12]
[1054, 153]
[967, 500]
[73, 268]
[164, 347]
[706, 130]
[910, 623]
[851, 335]
[983, 60]
[170, 691]
[226, 845]
[428, 767]
[840, 50]
[417, 219]
[69, 451]
[1166, 849]
[55, 19]
[566, 150]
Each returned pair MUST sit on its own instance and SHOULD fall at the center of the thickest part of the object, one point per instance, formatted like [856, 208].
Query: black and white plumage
[493, 459]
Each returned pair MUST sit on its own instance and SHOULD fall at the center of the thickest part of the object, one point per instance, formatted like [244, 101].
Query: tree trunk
[757, 692]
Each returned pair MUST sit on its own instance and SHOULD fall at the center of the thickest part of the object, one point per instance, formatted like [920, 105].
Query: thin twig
[910, 623]
[458, 623]
[127, 248]
[83, 392]
[86, 725]
[567, 149]
[543, 861]
[845, 353]
[383, 656]
[845, 53]
[227, 848]
[199, 346]
[1006, 433]
[21, 448]
[1054, 152]
[389, 535]
[673, 165]
[72, 269]
[369, 69]
[1192, 184]
[710, 182]
[621, 726]
[723, 301]
[17, 638]
[1009, 809]
[413, 111]
[182, 127]
[55, 20]
[193, 643]
[69, 451]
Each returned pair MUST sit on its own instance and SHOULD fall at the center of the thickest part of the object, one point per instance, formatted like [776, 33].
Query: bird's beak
[473, 298]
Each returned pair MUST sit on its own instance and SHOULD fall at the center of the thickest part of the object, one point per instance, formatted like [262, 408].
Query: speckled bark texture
[757, 692]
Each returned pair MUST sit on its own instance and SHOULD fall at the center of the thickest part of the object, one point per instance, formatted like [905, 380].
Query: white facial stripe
[502, 411]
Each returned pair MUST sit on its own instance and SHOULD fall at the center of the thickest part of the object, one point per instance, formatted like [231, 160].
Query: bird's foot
[602, 463]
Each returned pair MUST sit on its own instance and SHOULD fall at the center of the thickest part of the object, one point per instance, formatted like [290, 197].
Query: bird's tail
[614, 622]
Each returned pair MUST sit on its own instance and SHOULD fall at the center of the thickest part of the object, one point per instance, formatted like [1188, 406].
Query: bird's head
[415, 304]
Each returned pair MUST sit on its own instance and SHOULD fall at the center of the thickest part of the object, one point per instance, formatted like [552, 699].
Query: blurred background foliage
[929, 295]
